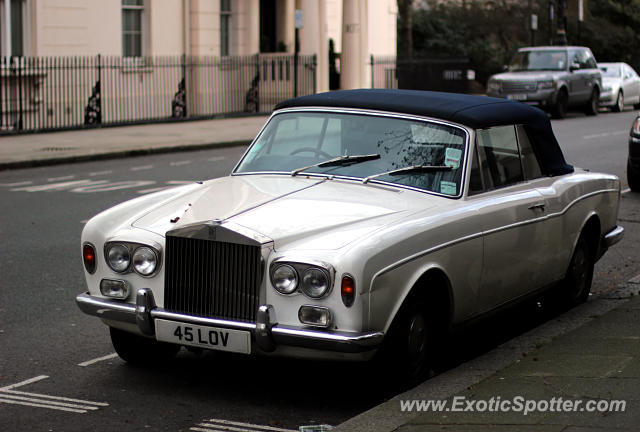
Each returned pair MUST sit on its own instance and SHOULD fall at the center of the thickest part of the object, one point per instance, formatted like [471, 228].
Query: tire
[577, 282]
[139, 350]
[633, 178]
[591, 109]
[619, 105]
[412, 344]
[559, 110]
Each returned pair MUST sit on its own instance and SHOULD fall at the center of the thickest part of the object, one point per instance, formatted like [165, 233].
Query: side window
[590, 61]
[530, 163]
[499, 157]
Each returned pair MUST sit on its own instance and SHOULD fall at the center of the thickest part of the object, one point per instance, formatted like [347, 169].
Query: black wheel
[633, 178]
[412, 344]
[139, 350]
[591, 109]
[560, 108]
[619, 106]
[577, 282]
[318, 152]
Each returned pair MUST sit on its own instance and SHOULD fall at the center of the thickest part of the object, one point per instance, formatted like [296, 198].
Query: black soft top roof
[477, 112]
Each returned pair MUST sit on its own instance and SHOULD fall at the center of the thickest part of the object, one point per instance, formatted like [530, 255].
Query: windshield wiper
[414, 168]
[338, 161]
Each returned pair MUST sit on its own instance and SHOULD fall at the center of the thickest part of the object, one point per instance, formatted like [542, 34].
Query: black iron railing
[53, 93]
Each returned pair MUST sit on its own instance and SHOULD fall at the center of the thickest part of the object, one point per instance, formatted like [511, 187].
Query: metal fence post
[372, 76]
[315, 73]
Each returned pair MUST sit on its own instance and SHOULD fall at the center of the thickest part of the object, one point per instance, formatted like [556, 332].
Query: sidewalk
[21, 151]
[597, 360]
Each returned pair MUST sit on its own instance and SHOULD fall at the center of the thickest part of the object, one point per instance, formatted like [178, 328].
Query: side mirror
[574, 67]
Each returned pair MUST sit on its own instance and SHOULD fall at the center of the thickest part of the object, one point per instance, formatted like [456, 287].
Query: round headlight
[284, 279]
[315, 283]
[145, 261]
[118, 258]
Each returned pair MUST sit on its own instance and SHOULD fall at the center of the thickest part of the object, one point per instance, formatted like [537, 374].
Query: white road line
[141, 168]
[60, 398]
[624, 191]
[69, 177]
[25, 382]
[14, 402]
[216, 158]
[97, 173]
[53, 403]
[22, 183]
[57, 186]
[99, 359]
[605, 134]
[228, 425]
[84, 221]
[178, 163]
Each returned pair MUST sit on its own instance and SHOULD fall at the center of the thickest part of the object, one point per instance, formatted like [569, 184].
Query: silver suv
[555, 78]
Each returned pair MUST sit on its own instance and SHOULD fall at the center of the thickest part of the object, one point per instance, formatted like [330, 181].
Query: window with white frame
[225, 28]
[133, 26]
[13, 27]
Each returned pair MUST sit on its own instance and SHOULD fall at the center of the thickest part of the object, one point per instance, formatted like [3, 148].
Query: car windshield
[539, 60]
[610, 71]
[296, 143]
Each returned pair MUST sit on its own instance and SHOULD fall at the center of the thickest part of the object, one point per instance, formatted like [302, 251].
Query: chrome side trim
[489, 232]
[265, 332]
[614, 236]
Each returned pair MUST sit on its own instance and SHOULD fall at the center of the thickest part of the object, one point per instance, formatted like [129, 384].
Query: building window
[225, 28]
[132, 27]
[13, 27]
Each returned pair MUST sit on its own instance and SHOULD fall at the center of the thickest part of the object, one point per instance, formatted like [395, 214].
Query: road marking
[22, 183]
[179, 163]
[605, 134]
[624, 191]
[104, 186]
[218, 425]
[99, 359]
[97, 173]
[56, 186]
[69, 177]
[141, 168]
[216, 158]
[14, 397]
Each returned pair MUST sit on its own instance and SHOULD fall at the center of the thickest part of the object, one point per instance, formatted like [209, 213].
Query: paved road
[57, 369]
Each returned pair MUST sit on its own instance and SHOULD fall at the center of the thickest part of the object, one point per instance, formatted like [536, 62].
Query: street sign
[580, 10]
[534, 22]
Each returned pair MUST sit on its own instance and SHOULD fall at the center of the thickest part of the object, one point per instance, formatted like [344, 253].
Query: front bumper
[266, 333]
[542, 97]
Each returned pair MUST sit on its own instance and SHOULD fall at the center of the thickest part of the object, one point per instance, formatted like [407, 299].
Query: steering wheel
[318, 152]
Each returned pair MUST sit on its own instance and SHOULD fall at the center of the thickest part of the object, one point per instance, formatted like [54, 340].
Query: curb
[388, 417]
[118, 154]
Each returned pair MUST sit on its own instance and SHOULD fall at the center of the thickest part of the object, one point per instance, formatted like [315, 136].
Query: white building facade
[138, 28]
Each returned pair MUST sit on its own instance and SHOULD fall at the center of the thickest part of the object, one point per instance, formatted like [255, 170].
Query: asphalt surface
[43, 334]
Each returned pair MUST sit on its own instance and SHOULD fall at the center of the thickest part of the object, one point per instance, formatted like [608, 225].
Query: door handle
[539, 206]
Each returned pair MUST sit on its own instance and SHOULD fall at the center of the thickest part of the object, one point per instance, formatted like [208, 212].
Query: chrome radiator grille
[516, 86]
[212, 278]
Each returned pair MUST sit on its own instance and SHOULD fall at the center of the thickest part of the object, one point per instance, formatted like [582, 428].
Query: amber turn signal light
[89, 257]
[348, 290]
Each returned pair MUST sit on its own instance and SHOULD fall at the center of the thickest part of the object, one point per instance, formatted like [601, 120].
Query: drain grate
[54, 149]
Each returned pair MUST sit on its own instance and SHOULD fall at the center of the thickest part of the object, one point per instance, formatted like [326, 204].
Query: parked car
[633, 161]
[357, 223]
[554, 78]
[620, 86]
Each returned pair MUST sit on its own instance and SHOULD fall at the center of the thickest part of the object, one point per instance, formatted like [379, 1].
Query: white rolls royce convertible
[357, 223]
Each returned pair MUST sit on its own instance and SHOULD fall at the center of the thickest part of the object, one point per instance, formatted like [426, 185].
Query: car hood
[527, 75]
[320, 213]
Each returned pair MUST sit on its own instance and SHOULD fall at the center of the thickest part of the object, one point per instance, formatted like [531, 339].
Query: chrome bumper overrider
[613, 236]
[267, 333]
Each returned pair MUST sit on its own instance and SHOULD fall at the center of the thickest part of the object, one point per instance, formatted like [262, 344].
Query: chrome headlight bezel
[293, 280]
[494, 85]
[132, 248]
[302, 268]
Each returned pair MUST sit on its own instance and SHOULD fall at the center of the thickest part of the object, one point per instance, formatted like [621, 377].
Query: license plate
[518, 97]
[214, 338]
